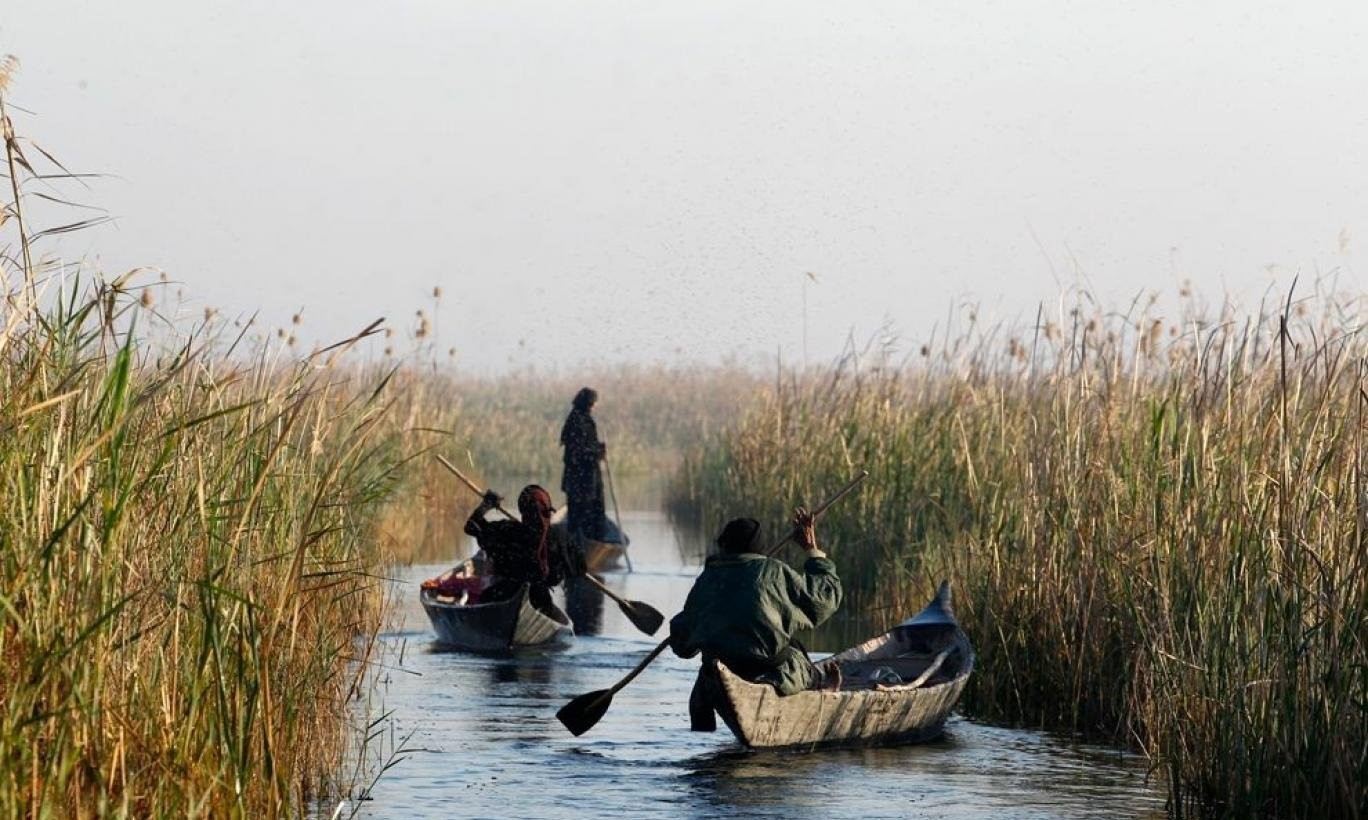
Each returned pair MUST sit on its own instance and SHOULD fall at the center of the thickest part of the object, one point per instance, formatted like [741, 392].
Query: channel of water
[476, 736]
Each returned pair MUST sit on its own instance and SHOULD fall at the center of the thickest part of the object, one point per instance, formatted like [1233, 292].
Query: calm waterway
[476, 736]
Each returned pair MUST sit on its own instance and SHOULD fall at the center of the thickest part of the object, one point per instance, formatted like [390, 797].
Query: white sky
[624, 180]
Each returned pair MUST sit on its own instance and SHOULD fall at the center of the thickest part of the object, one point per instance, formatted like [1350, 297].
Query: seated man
[744, 609]
[521, 552]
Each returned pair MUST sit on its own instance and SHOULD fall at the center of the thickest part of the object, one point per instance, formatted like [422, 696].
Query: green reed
[1155, 532]
[189, 571]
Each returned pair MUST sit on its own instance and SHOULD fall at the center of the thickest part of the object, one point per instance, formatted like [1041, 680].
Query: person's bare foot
[831, 681]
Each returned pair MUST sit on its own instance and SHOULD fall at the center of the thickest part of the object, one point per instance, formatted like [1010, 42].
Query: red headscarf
[534, 505]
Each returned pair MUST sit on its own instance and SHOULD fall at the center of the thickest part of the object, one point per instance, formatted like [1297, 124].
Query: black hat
[739, 535]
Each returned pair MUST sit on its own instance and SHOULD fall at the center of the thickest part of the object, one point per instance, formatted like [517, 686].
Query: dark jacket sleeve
[592, 443]
[817, 591]
[475, 524]
[681, 631]
[491, 536]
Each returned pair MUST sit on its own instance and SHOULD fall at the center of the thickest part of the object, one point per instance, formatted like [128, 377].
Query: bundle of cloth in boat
[464, 589]
[744, 609]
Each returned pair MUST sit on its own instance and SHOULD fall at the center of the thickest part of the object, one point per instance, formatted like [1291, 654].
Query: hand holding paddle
[805, 532]
[581, 714]
[642, 615]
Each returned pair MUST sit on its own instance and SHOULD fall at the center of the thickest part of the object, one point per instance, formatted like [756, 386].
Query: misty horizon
[615, 184]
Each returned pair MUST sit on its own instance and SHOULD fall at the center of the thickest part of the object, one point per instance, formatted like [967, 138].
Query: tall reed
[188, 568]
[424, 519]
[1155, 531]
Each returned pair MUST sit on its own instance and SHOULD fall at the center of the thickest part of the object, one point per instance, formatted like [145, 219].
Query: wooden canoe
[930, 656]
[606, 555]
[495, 627]
[601, 556]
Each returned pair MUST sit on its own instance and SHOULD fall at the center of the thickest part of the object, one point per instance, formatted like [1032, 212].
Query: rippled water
[478, 737]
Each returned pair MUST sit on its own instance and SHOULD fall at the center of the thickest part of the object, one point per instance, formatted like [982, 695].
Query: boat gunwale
[966, 669]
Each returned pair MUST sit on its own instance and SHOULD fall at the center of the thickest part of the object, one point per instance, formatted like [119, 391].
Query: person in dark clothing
[744, 609]
[521, 552]
[583, 479]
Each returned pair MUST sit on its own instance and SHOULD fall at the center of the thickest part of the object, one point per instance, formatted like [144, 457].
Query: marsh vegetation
[189, 562]
[1155, 529]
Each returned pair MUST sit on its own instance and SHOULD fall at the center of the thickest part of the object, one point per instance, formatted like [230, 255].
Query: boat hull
[928, 656]
[496, 627]
[601, 556]
[607, 555]
[763, 719]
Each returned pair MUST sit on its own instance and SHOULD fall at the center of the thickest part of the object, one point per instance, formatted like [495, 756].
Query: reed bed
[647, 414]
[186, 573]
[424, 519]
[190, 578]
[1155, 530]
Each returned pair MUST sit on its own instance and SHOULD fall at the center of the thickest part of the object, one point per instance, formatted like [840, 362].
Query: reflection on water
[972, 771]
[517, 669]
[484, 741]
[584, 604]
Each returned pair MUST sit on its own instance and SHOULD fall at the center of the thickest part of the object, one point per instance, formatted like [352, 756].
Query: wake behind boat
[896, 688]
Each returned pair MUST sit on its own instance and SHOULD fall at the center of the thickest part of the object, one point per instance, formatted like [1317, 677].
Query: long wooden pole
[817, 513]
[617, 514]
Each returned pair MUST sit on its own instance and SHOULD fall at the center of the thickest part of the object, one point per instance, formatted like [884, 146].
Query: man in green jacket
[744, 609]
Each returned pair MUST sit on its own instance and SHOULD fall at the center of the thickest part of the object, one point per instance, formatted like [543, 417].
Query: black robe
[583, 479]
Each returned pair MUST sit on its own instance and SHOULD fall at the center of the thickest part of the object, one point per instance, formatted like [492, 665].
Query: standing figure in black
[583, 480]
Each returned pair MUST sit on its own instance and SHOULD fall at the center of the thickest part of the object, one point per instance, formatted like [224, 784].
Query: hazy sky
[609, 180]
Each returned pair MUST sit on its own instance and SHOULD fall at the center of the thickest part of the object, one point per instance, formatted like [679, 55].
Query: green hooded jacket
[744, 609]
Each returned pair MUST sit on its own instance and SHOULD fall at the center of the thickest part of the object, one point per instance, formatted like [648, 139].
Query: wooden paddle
[642, 615]
[584, 712]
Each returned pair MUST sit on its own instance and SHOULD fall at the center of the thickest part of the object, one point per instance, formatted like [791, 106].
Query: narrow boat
[605, 554]
[494, 627]
[896, 688]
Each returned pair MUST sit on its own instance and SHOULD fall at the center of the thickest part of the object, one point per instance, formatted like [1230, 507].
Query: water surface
[476, 736]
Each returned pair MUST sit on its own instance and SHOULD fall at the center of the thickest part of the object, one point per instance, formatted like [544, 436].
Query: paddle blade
[581, 714]
[643, 616]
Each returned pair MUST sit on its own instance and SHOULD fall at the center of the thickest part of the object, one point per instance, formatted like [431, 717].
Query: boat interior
[909, 656]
